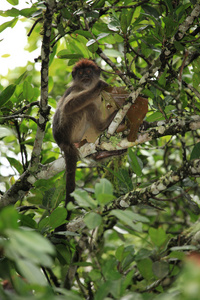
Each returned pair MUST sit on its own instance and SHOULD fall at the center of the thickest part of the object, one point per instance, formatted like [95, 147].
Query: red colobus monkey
[77, 110]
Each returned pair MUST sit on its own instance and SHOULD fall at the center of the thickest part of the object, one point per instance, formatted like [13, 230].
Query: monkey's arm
[74, 103]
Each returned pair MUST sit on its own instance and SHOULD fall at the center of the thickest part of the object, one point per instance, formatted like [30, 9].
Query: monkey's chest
[80, 126]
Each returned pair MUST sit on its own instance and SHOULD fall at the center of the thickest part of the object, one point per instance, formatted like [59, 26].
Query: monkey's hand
[102, 85]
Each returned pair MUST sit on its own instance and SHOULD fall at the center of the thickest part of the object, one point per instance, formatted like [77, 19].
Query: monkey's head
[86, 72]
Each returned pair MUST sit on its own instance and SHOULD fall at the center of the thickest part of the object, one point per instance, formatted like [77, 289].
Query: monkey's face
[86, 76]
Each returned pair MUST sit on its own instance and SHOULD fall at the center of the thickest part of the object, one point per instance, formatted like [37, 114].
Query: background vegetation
[134, 232]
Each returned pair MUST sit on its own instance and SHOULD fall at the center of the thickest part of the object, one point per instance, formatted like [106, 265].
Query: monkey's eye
[80, 72]
[88, 71]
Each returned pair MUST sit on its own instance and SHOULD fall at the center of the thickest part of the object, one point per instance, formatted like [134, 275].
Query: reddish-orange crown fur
[85, 63]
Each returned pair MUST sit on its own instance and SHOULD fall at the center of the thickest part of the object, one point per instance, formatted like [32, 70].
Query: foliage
[145, 251]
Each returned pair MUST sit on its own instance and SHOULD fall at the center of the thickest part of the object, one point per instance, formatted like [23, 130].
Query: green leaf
[27, 221]
[177, 254]
[145, 268]
[95, 275]
[150, 10]
[13, 2]
[119, 253]
[195, 152]
[16, 164]
[99, 3]
[183, 248]
[28, 91]
[156, 116]
[68, 55]
[28, 12]
[196, 80]
[103, 35]
[114, 25]
[63, 254]
[109, 269]
[57, 217]
[50, 84]
[178, 46]
[128, 217]
[31, 272]
[134, 162]
[20, 78]
[126, 17]
[90, 42]
[123, 21]
[32, 241]
[136, 13]
[160, 269]
[103, 290]
[6, 94]
[83, 33]
[142, 253]
[29, 245]
[92, 220]
[83, 199]
[127, 280]
[13, 12]
[104, 191]
[93, 47]
[8, 218]
[9, 24]
[112, 53]
[158, 236]
[124, 177]
[162, 79]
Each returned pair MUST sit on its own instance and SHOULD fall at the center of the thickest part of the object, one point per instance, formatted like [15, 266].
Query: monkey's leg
[100, 124]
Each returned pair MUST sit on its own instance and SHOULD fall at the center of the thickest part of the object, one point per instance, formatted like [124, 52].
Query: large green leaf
[158, 236]
[133, 220]
[28, 91]
[9, 24]
[92, 220]
[29, 245]
[31, 272]
[135, 163]
[13, 2]
[66, 54]
[145, 267]
[104, 191]
[6, 94]
[13, 12]
[16, 164]
[83, 199]
[58, 217]
[195, 152]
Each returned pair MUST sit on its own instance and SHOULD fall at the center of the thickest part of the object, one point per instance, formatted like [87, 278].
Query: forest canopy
[133, 231]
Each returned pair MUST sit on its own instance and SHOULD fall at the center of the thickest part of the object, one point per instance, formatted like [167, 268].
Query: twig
[35, 23]
[26, 107]
[20, 117]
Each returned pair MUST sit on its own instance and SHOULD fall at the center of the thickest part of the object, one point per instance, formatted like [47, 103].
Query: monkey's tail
[71, 157]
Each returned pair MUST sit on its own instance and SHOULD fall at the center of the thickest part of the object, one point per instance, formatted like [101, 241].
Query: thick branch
[44, 108]
[174, 126]
[142, 196]
[26, 180]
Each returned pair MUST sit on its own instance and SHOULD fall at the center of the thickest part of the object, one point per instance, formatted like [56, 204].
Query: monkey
[77, 110]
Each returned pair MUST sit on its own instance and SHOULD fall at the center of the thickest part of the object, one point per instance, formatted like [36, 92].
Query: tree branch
[44, 108]
[27, 179]
[142, 196]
